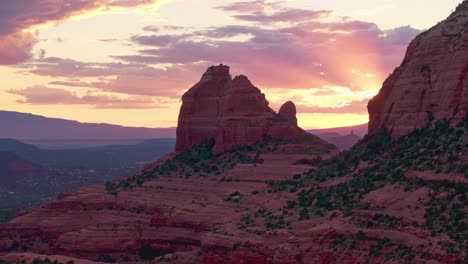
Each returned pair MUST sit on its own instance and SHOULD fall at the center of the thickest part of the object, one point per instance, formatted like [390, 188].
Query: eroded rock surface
[431, 83]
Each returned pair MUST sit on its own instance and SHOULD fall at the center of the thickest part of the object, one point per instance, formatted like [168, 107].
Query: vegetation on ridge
[339, 186]
[200, 161]
[377, 161]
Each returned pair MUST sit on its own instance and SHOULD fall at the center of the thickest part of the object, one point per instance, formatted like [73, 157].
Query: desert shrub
[312, 162]
[233, 197]
[287, 185]
[147, 252]
[106, 258]
[276, 222]
[111, 188]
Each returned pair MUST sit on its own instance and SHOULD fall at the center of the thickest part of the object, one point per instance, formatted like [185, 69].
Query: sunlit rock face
[232, 111]
[431, 83]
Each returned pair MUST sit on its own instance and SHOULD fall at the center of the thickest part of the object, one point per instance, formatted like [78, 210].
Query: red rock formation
[245, 115]
[430, 83]
[288, 111]
[286, 123]
[232, 111]
[200, 109]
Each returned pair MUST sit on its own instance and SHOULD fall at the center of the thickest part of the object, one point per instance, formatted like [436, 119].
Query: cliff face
[232, 111]
[431, 83]
[199, 113]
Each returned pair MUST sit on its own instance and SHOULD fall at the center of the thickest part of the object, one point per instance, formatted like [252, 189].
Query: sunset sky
[129, 61]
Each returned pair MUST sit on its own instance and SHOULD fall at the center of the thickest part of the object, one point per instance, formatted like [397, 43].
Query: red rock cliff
[430, 83]
[232, 111]
[200, 109]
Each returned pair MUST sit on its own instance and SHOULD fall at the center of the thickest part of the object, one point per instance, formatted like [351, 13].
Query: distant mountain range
[104, 157]
[38, 130]
[14, 169]
[358, 130]
[18, 175]
[28, 126]
[30, 174]
[342, 137]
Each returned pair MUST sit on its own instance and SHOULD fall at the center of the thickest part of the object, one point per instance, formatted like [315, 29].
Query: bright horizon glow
[321, 71]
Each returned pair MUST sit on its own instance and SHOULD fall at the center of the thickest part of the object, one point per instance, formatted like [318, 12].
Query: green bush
[147, 252]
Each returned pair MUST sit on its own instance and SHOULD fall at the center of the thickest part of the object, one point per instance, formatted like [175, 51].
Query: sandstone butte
[430, 84]
[232, 111]
[269, 202]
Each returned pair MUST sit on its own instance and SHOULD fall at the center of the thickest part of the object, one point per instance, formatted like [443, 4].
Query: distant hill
[24, 184]
[11, 165]
[358, 130]
[103, 157]
[28, 126]
[342, 137]
[342, 142]
[29, 175]
[14, 169]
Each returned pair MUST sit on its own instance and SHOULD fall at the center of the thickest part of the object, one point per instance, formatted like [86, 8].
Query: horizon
[124, 126]
[87, 63]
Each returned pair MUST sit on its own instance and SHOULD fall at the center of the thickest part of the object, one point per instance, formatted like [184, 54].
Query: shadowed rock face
[232, 111]
[430, 83]
[288, 111]
[200, 109]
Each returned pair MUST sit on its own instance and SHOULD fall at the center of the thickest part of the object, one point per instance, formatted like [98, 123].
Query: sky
[128, 62]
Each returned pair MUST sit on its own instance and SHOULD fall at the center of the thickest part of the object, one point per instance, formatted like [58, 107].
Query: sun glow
[330, 62]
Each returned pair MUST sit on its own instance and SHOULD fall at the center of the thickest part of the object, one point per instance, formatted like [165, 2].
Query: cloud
[42, 95]
[400, 34]
[355, 54]
[353, 107]
[59, 67]
[22, 14]
[18, 16]
[157, 40]
[309, 55]
[110, 40]
[292, 15]
[125, 78]
[16, 47]
[258, 7]
[153, 28]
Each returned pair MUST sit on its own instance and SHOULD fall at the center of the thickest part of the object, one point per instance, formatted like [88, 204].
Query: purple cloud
[16, 47]
[292, 15]
[305, 55]
[42, 95]
[153, 28]
[258, 6]
[18, 15]
[125, 78]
